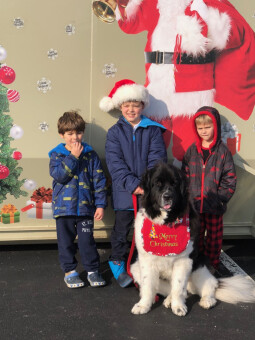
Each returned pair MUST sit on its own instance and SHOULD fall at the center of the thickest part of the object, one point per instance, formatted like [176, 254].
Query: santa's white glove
[200, 7]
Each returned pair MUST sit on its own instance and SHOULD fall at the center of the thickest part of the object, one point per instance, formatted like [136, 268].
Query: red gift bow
[42, 195]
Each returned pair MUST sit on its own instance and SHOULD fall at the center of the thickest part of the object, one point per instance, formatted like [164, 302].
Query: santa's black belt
[157, 57]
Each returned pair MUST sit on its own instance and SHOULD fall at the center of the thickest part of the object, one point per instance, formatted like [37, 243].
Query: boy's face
[205, 132]
[132, 111]
[72, 137]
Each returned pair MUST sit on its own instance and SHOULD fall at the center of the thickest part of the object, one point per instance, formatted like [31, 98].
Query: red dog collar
[166, 240]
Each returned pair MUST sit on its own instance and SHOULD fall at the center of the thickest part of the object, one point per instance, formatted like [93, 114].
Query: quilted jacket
[129, 153]
[79, 184]
[211, 183]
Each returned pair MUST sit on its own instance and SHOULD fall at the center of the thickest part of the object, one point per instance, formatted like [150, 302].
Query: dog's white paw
[180, 310]
[207, 302]
[140, 309]
[167, 302]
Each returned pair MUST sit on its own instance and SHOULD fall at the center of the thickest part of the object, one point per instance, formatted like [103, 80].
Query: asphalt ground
[36, 304]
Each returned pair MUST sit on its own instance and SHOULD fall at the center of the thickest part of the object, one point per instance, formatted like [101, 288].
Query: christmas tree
[9, 169]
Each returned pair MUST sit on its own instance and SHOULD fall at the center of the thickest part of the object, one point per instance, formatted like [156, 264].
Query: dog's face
[165, 189]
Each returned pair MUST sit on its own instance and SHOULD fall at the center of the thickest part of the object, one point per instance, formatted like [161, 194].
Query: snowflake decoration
[70, 29]
[228, 130]
[44, 126]
[52, 54]
[44, 85]
[18, 23]
[109, 70]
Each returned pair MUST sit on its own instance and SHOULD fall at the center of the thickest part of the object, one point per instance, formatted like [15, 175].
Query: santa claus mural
[197, 52]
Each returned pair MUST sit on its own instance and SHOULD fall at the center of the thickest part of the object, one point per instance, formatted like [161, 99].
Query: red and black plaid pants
[211, 243]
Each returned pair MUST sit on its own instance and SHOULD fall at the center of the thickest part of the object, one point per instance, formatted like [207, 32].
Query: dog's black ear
[147, 201]
[183, 183]
[146, 186]
[146, 180]
[183, 187]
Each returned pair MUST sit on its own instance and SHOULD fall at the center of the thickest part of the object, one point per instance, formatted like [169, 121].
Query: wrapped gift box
[231, 137]
[9, 214]
[40, 210]
[234, 144]
[40, 202]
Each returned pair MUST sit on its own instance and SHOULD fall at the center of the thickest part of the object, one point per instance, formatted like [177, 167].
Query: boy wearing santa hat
[133, 144]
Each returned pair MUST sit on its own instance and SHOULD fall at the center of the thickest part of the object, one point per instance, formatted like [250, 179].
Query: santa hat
[123, 91]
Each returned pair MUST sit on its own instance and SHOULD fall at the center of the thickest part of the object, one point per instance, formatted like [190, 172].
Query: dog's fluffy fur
[166, 198]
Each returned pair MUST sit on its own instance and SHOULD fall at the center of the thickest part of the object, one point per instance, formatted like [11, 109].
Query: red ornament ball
[13, 96]
[17, 155]
[4, 171]
[7, 75]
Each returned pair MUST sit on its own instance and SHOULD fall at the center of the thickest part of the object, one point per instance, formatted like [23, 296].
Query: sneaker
[119, 273]
[95, 279]
[73, 280]
[124, 280]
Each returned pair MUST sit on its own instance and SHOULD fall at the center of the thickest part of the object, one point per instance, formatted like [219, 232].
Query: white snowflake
[109, 70]
[70, 29]
[44, 85]
[44, 126]
[52, 54]
[18, 23]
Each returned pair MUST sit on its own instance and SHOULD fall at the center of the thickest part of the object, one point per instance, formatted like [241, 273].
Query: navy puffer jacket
[79, 184]
[213, 182]
[128, 154]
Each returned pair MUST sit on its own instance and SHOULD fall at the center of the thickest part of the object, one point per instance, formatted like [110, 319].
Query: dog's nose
[166, 196]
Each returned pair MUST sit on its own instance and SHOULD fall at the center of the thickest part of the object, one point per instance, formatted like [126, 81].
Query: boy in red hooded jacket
[209, 165]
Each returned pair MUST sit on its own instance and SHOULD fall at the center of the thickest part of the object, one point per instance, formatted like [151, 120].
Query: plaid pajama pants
[210, 245]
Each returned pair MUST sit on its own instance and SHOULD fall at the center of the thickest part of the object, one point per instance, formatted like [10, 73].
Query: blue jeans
[68, 227]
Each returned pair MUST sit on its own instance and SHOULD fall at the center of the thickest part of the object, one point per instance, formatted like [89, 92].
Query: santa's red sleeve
[137, 16]
[235, 65]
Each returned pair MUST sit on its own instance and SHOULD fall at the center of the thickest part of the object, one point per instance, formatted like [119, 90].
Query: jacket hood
[215, 116]
[145, 122]
[60, 148]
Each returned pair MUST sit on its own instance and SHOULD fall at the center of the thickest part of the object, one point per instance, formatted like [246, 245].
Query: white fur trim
[164, 35]
[193, 41]
[106, 104]
[134, 92]
[200, 7]
[219, 25]
[165, 102]
[130, 10]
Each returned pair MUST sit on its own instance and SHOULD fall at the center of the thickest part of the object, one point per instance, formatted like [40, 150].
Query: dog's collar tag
[162, 240]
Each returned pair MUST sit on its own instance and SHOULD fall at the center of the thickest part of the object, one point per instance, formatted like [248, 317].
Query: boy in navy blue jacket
[133, 144]
[79, 196]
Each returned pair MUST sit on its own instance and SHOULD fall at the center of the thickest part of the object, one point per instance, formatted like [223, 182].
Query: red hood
[215, 116]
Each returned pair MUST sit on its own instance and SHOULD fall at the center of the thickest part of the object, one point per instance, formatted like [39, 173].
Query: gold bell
[105, 10]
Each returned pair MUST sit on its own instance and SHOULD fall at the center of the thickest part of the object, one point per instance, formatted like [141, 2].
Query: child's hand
[76, 149]
[99, 214]
[138, 191]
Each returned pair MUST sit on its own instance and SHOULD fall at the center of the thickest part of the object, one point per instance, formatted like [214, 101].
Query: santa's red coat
[229, 81]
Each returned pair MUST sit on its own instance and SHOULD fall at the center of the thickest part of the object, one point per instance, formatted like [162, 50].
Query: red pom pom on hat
[123, 91]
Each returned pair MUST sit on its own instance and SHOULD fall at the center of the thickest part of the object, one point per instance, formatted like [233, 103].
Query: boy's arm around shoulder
[99, 182]
[63, 168]
[157, 150]
[227, 183]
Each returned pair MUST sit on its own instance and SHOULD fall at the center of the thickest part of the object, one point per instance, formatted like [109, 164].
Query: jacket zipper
[202, 183]
[134, 147]
[202, 188]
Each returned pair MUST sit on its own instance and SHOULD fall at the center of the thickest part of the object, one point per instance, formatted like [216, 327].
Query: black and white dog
[166, 236]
